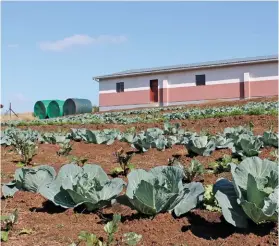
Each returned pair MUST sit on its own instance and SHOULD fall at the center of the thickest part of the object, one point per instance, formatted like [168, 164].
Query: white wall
[231, 74]
[222, 75]
[131, 83]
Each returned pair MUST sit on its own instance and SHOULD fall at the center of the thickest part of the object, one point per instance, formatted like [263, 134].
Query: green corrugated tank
[77, 106]
[55, 108]
[40, 108]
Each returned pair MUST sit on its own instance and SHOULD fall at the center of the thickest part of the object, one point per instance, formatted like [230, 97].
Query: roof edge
[220, 63]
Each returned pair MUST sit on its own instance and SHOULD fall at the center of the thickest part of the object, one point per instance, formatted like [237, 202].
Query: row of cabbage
[186, 113]
[177, 108]
[251, 196]
[241, 140]
[119, 117]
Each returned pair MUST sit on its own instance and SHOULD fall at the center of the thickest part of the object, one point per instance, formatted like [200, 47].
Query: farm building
[190, 83]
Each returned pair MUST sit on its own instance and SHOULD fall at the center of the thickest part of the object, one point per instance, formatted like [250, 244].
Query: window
[200, 79]
[120, 87]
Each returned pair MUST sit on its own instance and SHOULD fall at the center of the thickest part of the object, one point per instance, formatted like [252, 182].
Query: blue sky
[51, 50]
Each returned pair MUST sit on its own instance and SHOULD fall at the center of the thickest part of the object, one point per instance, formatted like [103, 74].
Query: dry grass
[21, 116]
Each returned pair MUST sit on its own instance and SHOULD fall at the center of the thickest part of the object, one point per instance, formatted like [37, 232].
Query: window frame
[119, 87]
[200, 82]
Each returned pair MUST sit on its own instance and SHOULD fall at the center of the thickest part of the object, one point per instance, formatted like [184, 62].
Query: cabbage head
[270, 139]
[161, 189]
[29, 179]
[253, 193]
[247, 146]
[201, 145]
[88, 185]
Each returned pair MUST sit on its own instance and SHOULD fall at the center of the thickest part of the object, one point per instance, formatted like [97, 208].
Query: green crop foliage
[123, 159]
[90, 239]
[7, 223]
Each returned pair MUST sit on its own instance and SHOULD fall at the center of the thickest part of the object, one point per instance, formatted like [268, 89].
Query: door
[154, 90]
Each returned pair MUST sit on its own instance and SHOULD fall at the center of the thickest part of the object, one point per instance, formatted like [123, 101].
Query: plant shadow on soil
[199, 226]
[108, 217]
[191, 154]
[202, 228]
[48, 207]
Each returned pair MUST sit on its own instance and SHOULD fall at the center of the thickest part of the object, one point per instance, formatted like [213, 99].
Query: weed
[65, 148]
[274, 154]
[90, 239]
[24, 146]
[190, 172]
[95, 109]
[193, 170]
[25, 231]
[8, 223]
[209, 201]
[130, 130]
[124, 161]
[59, 226]
[80, 161]
[222, 165]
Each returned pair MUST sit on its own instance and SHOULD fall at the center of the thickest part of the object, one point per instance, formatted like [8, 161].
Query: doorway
[154, 90]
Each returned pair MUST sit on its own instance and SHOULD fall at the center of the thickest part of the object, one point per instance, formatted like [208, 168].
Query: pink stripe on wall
[124, 98]
[206, 92]
[264, 88]
[194, 93]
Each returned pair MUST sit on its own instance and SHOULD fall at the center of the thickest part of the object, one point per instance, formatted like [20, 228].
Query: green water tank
[77, 106]
[55, 109]
[40, 108]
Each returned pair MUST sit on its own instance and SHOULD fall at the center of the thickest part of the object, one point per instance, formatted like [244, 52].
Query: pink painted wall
[193, 93]
[264, 88]
[206, 92]
[124, 98]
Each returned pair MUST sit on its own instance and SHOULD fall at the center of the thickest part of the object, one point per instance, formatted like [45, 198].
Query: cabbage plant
[106, 136]
[185, 138]
[223, 142]
[234, 132]
[201, 145]
[141, 142]
[270, 138]
[170, 141]
[6, 139]
[253, 193]
[78, 134]
[88, 185]
[29, 179]
[247, 146]
[128, 137]
[151, 138]
[161, 189]
[172, 128]
[52, 137]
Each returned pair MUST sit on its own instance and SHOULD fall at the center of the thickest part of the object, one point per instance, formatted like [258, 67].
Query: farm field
[21, 116]
[46, 224]
[29, 116]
